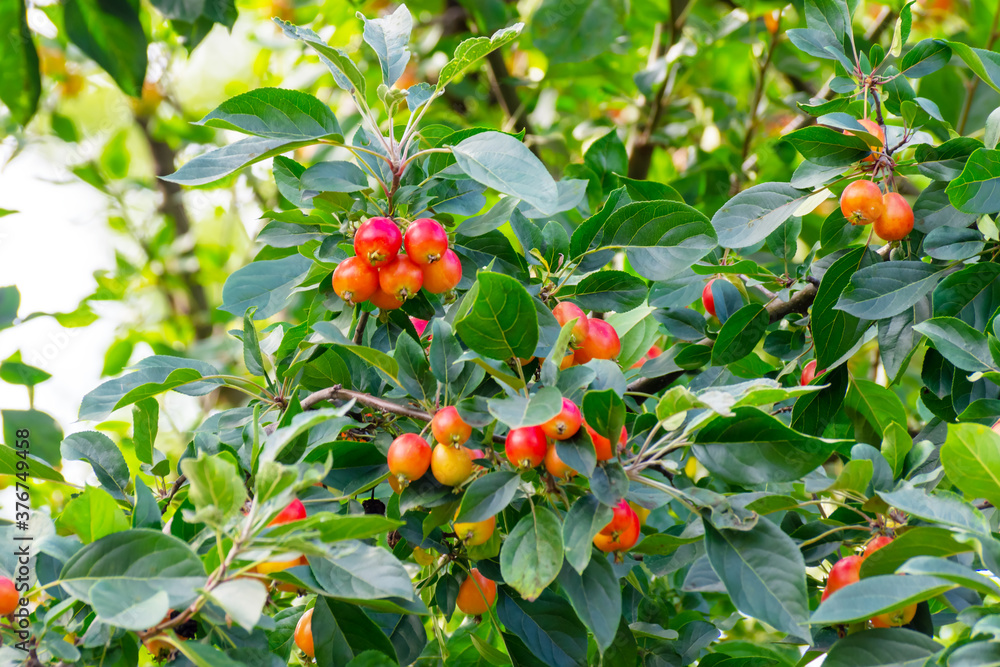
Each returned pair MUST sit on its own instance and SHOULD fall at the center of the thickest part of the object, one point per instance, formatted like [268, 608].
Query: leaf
[338, 176]
[971, 459]
[610, 290]
[548, 627]
[986, 64]
[265, 285]
[501, 162]
[516, 411]
[959, 343]
[948, 243]
[604, 411]
[946, 508]
[345, 72]
[10, 300]
[345, 632]
[275, 113]
[497, 318]
[141, 556]
[977, 189]
[926, 57]
[532, 554]
[752, 447]
[961, 288]
[877, 595]
[819, 44]
[242, 599]
[389, 37]
[129, 605]
[215, 487]
[828, 147]
[764, 573]
[749, 217]
[92, 515]
[20, 81]
[597, 598]
[577, 32]
[896, 444]
[356, 571]
[494, 218]
[740, 334]
[660, 238]
[584, 521]
[836, 332]
[45, 433]
[110, 33]
[918, 541]
[103, 456]
[488, 495]
[952, 571]
[882, 647]
[471, 50]
[887, 289]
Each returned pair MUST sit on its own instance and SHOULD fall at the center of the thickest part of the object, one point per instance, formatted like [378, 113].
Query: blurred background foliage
[701, 93]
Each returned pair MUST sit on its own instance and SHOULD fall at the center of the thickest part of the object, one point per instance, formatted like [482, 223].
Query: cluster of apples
[847, 571]
[380, 274]
[590, 338]
[863, 203]
[410, 456]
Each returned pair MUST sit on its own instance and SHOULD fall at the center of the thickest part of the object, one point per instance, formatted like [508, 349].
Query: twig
[359, 330]
[178, 483]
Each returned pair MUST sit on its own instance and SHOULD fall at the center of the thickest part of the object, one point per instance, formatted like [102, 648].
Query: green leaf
[494, 218]
[752, 447]
[128, 604]
[819, 43]
[103, 456]
[390, 37]
[10, 300]
[917, 541]
[597, 598]
[896, 444]
[45, 433]
[961, 288]
[952, 571]
[960, 344]
[20, 81]
[215, 487]
[242, 599]
[532, 554]
[516, 411]
[577, 32]
[977, 189]
[948, 243]
[887, 289]
[14, 371]
[352, 570]
[145, 422]
[986, 64]
[660, 238]
[141, 556]
[740, 334]
[488, 495]
[471, 50]
[751, 216]
[501, 162]
[828, 147]
[265, 285]
[941, 507]
[204, 655]
[926, 57]
[301, 423]
[882, 647]
[875, 404]
[548, 627]
[92, 515]
[223, 161]
[345, 72]
[497, 318]
[610, 290]
[584, 521]
[145, 512]
[834, 331]
[764, 573]
[276, 114]
[971, 459]
[338, 176]
[11, 463]
[110, 33]
[877, 595]
[604, 411]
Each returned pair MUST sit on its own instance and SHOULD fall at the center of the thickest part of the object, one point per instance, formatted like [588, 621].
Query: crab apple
[897, 219]
[158, 648]
[451, 465]
[423, 557]
[772, 21]
[876, 544]
[304, 634]
[475, 533]
[394, 484]
[449, 428]
[565, 424]
[443, 275]
[409, 457]
[622, 532]
[809, 373]
[272, 566]
[566, 311]
[401, 277]
[602, 342]
[294, 511]
[8, 596]
[640, 512]
[354, 281]
[526, 446]
[707, 299]
[425, 241]
[476, 600]
[845, 572]
[419, 325]
[385, 301]
[894, 619]
[602, 445]
[377, 241]
[556, 466]
[861, 202]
